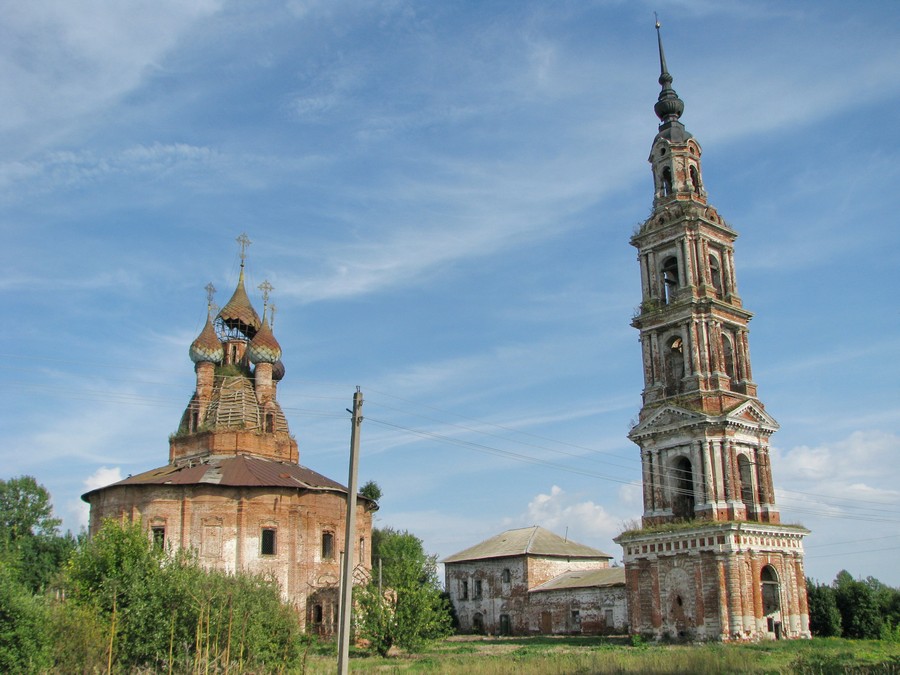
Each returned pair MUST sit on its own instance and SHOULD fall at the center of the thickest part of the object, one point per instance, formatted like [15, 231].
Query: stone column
[647, 481]
[756, 585]
[694, 332]
[657, 473]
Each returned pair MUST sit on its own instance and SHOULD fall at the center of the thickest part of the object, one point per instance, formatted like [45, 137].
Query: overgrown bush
[165, 610]
[25, 643]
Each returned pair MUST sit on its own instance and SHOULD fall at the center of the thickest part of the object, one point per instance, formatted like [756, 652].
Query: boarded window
[211, 544]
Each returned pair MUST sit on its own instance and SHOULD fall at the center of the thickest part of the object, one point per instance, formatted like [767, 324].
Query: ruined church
[233, 489]
[711, 559]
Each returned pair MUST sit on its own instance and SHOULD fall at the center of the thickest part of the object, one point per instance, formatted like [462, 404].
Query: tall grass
[589, 656]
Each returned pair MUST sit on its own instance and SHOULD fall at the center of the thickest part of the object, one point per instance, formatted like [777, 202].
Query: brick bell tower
[711, 560]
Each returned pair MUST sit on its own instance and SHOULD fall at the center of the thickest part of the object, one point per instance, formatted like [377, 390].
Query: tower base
[716, 581]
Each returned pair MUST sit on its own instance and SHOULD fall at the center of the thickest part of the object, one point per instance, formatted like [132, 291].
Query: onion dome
[207, 346]
[278, 371]
[264, 348]
[238, 314]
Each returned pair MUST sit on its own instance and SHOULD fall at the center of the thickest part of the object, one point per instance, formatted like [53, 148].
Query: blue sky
[442, 196]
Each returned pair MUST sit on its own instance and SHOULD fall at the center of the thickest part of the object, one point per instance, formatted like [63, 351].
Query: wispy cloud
[62, 61]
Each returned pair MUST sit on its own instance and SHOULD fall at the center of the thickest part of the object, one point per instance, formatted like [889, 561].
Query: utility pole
[349, 538]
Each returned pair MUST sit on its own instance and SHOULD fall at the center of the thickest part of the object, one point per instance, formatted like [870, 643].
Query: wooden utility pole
[349, 539]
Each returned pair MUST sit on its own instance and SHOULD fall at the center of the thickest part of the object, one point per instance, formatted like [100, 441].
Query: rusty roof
[264, 348]
[232, 471]
[527, 541]
[207, 346]
[238, 312]
[599, 578]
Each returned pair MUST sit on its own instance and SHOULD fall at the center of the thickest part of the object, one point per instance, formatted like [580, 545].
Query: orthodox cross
[210, 292]
[244, 241]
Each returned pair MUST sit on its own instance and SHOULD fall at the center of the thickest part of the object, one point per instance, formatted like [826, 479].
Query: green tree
[405, 606]
[824, 616]
[25, 642]
[25, 509]
[29, 538]
[856, 601]
[371, 490]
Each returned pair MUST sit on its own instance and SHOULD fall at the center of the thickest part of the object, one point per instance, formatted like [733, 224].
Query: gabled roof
[233, 471]
[750, 414]
[533, 540]
[602, 578]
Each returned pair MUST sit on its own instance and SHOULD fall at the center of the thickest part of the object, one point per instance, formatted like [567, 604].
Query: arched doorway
[747, 492]
[771, 599]
[674, 365]
[682, 488]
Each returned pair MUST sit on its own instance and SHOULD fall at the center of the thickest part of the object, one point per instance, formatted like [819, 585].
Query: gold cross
[244, 241]
[266, 288]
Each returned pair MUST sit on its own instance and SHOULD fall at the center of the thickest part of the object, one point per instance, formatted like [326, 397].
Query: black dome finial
[669, 107]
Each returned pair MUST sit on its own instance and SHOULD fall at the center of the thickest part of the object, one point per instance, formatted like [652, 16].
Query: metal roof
[608, 576]
[232, 471]
[527, 541]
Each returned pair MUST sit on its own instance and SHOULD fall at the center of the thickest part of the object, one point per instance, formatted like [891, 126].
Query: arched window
[667, 181]
[745, 470]
[327, 545]
[674, 365]
[770, 590]
[682, 488]
[270, 422]
[695, 180]
[715, 274]
[728, 357]
[670, 278]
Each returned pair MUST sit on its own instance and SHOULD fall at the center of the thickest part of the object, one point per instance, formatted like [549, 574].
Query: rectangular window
[504, 577]
[478, 589]
[159, 536]
[327, 545]
[463, 590]
[267, 541]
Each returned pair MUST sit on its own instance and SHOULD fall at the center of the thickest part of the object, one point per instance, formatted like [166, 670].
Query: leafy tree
[371, 490]
[29, 539]
[856, 601]
[25, 509]
[25, 643]
[824, 616]
[406, 608]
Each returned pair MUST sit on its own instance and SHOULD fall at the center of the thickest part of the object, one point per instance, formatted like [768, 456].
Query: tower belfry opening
[711, 559]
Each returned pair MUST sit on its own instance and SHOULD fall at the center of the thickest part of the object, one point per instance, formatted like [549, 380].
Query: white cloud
[561, 512]
[60, 61]
[863, 454]
[102, 477]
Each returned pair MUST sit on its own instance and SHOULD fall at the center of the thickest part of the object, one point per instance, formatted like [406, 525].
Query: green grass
[590, 655]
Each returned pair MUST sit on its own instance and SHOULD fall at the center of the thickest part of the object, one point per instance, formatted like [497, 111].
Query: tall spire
[669, 107]
[238, 315]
